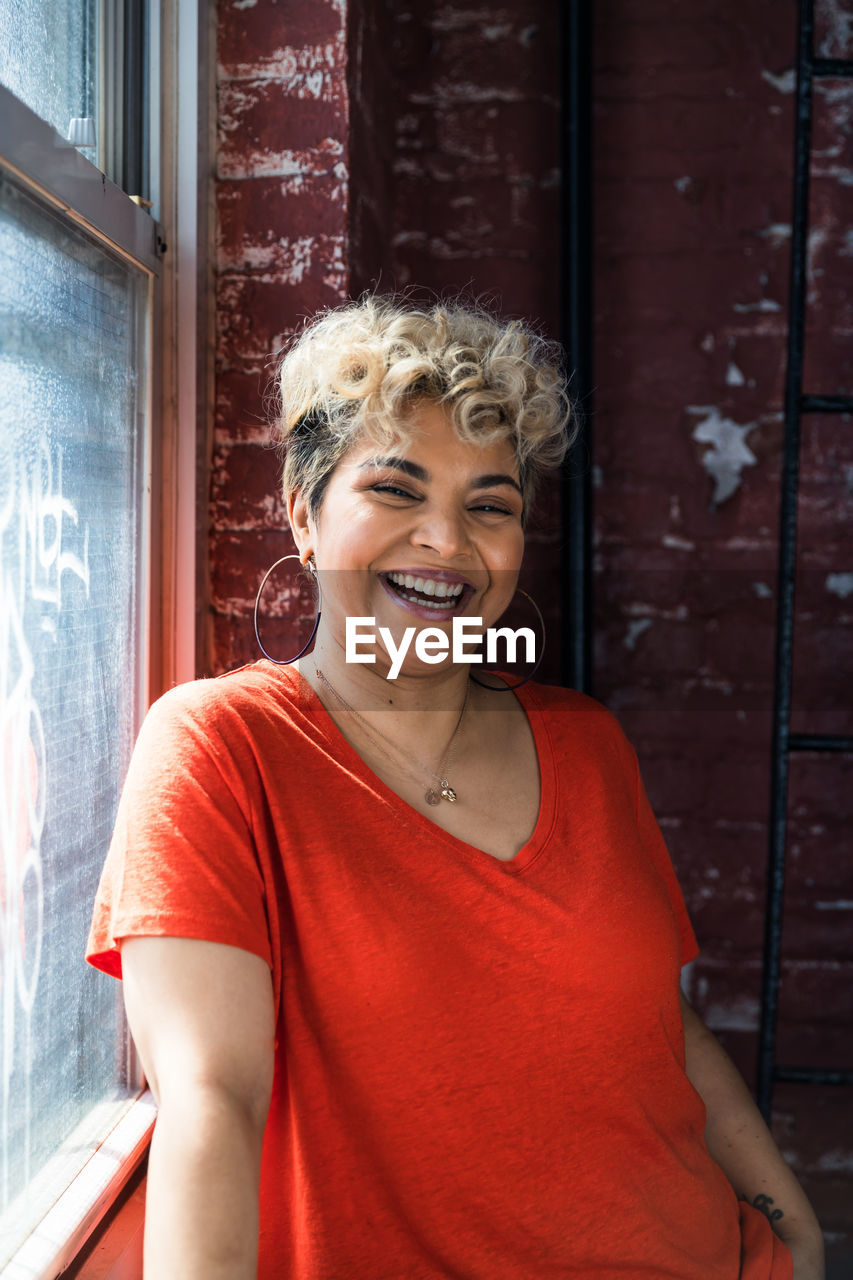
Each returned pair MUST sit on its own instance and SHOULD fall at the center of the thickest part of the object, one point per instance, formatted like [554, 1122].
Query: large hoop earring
[508, 688]
[285, 662]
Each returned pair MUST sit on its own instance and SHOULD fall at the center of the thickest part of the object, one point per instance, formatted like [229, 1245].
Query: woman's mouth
[436, 596]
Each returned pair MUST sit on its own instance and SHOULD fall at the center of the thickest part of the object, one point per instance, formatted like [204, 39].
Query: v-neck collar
[344, 752]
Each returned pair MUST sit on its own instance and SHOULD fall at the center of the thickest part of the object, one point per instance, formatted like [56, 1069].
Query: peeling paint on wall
[777, 233]
[740, 1015]
[264, 162]
[838, 32]
[786, 82]
[676, 543]
[303, 70]
[840, 584]
[728, 453]
[634, 631]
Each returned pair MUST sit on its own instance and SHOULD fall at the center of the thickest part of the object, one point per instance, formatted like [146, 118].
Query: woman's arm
[742, 1146]
[201, 1014]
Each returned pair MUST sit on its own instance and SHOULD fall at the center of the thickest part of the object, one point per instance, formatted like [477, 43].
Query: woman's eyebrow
[498, 477]
[398, 464]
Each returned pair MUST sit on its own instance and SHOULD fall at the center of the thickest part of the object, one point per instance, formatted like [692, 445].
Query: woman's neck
[419, 716]
[437, 692]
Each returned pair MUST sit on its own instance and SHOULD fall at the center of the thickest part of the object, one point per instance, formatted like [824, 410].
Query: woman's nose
[444, 532]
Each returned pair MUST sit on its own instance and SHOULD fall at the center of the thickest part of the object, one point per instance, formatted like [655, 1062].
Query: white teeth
[427, 604]
[427, 586]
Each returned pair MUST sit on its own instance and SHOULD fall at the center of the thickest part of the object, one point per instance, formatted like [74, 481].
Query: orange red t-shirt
[480, 1064]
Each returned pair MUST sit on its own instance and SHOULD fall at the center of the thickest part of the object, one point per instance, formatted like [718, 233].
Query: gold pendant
[447, 792]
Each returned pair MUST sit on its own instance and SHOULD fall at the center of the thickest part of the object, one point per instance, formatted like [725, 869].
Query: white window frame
[172, 244]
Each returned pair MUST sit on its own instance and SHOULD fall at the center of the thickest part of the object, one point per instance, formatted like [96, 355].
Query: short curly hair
[360, 368]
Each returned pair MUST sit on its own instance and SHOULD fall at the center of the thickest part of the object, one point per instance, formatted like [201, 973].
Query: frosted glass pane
[47, 57]
[72, 396]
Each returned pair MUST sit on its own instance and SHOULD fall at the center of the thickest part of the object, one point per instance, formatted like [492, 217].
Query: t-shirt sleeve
[182, 861]
[655, 846]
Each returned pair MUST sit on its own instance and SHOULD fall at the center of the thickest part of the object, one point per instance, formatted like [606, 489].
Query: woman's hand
[201, 1014]
[740, 1142]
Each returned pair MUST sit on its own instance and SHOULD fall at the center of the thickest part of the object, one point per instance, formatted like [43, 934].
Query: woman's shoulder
[246, 695]
[570, 704]
[576, 718]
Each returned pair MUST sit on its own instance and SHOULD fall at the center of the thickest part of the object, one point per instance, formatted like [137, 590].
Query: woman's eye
[493, 508]
[393, 489]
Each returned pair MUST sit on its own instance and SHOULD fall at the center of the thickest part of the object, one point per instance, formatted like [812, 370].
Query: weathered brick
[255, 37]
[232, 640]
[257, 311]
[266, 131]
[255, 220]
[244, 489]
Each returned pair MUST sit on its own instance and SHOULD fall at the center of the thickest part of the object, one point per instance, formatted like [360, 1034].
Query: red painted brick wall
[282, 199]
[476, 195]
[694, 145]
[418, 145]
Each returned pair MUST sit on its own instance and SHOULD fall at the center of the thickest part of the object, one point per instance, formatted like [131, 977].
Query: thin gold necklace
[434, 794]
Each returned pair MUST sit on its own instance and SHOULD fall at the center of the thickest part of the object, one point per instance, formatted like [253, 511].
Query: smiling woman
[402, 956]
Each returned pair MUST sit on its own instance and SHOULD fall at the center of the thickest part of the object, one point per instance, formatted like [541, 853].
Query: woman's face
[417, 534]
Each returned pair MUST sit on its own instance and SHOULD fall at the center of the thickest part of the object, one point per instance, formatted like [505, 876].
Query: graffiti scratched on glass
[42, 540]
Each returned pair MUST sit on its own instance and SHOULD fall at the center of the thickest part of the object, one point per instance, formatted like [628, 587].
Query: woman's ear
[301, 524]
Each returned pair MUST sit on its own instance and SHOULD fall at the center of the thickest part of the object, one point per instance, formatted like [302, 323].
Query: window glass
[73, 406]
[47, 57]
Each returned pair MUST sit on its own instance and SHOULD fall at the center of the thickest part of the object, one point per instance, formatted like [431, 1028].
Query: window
[73, 460]
[91, 350]
[47, 58]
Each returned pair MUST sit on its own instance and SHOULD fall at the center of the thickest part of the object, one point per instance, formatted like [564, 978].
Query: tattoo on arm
[763, 1203]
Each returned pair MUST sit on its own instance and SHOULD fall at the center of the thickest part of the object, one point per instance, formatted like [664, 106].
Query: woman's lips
[432, 608]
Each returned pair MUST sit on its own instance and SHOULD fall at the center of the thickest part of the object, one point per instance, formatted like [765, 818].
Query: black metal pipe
[826, 404]
[812, 1075]
[576, 323]
[832, 68]
[835, 742]
[783, 666]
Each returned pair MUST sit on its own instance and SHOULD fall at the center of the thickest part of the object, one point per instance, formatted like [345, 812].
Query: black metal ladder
[809, 68]
[576, 322]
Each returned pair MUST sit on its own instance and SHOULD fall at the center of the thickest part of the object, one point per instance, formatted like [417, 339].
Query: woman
[401, 956]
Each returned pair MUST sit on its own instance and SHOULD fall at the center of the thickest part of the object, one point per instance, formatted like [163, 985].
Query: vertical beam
[182, 191]
[787, 564]
[577, 336]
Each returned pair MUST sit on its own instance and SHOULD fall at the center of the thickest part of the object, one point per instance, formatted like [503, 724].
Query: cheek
[348, 541]
[510, 552]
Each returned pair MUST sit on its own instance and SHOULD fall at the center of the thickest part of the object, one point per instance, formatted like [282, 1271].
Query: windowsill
[60, 1237]
[114, 1250]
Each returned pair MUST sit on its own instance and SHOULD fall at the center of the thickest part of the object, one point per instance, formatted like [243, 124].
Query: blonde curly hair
[362, 367]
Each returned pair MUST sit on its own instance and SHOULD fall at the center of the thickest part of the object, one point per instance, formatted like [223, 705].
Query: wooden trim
[182, 468]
